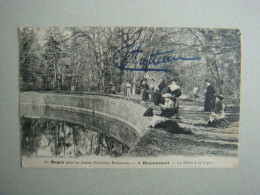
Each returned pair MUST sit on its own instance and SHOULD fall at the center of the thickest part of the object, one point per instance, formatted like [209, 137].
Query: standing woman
[175, 92]
[158, 93]
[145, 89]
[209, 97]
[128, 89]
[152, 90]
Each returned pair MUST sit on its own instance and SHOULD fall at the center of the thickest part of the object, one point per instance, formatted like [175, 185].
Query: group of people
[162, 95]
[167, 97]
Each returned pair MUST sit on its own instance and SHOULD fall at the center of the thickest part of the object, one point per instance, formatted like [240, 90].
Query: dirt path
[203, 140]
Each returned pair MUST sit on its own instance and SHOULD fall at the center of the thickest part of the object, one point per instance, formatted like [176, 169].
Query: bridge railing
[128, 111]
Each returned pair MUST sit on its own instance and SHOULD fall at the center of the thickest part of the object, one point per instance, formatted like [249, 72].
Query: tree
[81, 58]
[29, 60]
[221, 49]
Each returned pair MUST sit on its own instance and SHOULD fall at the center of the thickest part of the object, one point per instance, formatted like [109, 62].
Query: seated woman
[169, 107]
[218, 113]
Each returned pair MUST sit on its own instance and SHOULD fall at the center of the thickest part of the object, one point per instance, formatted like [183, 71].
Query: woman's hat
[220, 96]
[166, 95]
[207, 80]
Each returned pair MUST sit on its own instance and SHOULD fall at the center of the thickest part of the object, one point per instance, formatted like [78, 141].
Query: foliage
[81, 58]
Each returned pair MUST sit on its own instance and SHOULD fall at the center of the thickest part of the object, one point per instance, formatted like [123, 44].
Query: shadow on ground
[192, 139]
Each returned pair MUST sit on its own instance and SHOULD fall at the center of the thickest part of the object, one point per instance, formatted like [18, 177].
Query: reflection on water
[45, 137]
[120, 131]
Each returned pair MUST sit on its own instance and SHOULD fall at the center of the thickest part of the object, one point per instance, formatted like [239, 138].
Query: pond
[51, 132]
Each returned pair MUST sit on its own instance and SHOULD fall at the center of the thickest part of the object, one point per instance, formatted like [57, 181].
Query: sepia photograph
[129, 97]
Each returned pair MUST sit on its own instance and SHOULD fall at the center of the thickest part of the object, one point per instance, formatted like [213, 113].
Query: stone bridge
[115, 116]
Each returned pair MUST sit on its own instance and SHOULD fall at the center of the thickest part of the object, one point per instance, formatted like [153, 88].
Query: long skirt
[208, 105]
[145, 95]
[169, 112]
[157, 98]
[215, 117]
[152, 96]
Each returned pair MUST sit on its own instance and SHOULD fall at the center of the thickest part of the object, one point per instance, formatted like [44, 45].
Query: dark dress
[158, 94]
[209, 96]
[145, 88]
[175, 93]
[173, 127]
[152, 92]
[168, 112]
[112, 89]
[140, 87]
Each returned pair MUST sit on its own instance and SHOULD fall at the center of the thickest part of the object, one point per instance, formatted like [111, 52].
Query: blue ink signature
[153, 59]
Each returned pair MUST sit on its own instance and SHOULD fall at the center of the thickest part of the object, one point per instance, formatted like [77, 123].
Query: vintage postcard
[129, 97]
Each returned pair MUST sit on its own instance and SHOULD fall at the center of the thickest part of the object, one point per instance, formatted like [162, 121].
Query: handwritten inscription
[154, 59]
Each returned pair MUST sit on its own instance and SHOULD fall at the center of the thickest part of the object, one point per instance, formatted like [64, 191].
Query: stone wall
[126, 111]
